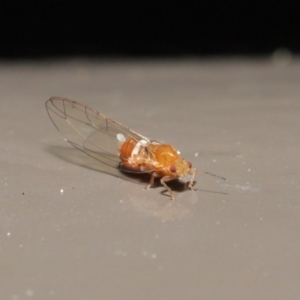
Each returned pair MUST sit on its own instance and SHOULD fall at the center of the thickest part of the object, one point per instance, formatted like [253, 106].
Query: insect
[116, 145]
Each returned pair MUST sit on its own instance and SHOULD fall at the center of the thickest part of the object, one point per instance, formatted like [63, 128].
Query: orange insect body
[115, 145]
[162, 159]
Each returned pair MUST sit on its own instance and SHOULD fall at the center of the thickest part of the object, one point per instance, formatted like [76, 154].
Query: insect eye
[173, 169]
[189, 164]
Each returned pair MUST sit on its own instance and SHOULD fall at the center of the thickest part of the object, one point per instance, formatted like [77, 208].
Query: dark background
[147, 28]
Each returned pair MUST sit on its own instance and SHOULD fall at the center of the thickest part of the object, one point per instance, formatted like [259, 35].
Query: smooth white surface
[71, 232]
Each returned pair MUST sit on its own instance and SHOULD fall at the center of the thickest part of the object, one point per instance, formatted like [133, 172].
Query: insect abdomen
[127, 148]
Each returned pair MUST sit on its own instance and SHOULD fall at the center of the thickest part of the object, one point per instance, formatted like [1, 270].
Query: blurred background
[113, 28]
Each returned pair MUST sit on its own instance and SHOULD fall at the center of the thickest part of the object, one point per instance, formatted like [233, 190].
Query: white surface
[70, 232]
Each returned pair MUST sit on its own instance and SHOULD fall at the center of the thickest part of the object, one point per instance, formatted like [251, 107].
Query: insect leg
[163, 181]
[191, 183]
[151, 181]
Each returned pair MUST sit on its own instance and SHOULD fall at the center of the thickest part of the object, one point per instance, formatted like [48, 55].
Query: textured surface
[69, 231]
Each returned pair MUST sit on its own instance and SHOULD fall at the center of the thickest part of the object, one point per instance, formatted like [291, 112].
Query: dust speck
[29, 293]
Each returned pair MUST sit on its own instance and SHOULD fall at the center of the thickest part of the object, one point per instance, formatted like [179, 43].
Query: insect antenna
[216, 176]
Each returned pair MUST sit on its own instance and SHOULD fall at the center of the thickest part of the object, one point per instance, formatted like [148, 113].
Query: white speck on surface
[249, 170]
[121, 137]
[178, 152]
[242, 187]
[153, 256]
[196, 154]
[8, 234]
[214, 160]
[61, 191]
[29, 293]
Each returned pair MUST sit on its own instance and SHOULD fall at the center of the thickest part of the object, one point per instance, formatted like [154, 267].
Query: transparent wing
[90, 131]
